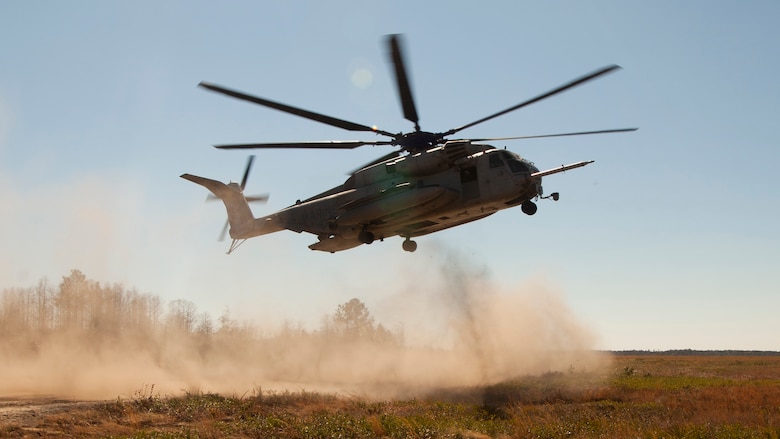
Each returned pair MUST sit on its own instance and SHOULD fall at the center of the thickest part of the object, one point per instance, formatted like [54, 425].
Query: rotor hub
[419, 141]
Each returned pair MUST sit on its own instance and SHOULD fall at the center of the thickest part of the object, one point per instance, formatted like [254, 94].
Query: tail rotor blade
[257, 198]
[246, 172]
[253, 198]
[224, 231]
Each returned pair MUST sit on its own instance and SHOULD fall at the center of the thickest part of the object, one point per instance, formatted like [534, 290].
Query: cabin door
[469, 183]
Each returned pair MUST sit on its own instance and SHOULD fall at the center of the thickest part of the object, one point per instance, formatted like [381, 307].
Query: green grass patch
[667, 383]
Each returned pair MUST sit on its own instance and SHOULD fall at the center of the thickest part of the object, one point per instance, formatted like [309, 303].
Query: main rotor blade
[581, 133]
[564, 87]
[402, 81]
[325, 144]
[246, 171]
[328, 120]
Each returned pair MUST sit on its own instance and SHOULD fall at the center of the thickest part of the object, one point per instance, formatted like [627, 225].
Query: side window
[495, 161]
[468, 174]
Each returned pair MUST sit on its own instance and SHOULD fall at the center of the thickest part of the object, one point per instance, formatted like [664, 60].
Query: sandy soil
[27, 411]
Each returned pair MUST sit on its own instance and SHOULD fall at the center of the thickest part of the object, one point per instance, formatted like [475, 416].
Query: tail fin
[239, 214]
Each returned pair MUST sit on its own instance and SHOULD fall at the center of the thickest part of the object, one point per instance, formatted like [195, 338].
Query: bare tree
[43, 305]
[204, 325]
[182, 315]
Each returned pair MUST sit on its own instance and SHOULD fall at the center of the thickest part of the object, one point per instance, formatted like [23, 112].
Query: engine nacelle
[429, 162]
[417, 165]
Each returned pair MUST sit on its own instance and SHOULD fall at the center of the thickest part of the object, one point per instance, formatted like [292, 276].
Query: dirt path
[27, 411]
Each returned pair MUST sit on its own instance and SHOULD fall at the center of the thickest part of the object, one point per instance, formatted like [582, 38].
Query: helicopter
[428, 183]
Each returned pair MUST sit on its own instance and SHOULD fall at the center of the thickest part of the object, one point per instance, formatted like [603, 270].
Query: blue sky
[669, 240]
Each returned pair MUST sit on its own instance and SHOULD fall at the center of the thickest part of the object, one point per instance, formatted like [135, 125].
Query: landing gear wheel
[366, 237]
[528, 207]
[409, 245]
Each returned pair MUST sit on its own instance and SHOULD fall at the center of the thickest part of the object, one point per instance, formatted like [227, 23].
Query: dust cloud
[448, 327]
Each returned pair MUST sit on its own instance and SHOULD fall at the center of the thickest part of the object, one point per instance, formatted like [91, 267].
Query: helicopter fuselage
[409, 196]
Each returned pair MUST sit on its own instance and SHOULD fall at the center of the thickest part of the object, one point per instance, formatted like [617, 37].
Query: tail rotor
[261, 198]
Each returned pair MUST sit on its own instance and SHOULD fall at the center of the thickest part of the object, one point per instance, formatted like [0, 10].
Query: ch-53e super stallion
[429, 183]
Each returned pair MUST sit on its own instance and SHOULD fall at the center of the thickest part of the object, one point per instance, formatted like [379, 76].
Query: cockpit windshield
[516, 165]
[495, 161]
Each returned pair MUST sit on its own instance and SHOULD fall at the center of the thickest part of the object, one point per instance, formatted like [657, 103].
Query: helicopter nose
[531, 167]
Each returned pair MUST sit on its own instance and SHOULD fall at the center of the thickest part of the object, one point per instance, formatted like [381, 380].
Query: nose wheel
[409, 245]
[528, 207]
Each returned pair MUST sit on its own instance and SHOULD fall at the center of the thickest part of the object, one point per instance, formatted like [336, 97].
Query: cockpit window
[495, 161]
[516, 166]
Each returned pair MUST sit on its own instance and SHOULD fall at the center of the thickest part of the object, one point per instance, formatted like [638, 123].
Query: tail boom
[243, 224]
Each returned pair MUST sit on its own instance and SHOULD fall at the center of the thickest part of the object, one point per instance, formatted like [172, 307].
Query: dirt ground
[720, 396]
[26, 411]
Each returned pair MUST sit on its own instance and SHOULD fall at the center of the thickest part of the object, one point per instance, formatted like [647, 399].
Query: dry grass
[649, 396]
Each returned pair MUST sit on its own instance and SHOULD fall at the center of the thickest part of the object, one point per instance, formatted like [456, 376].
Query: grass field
[643, 396]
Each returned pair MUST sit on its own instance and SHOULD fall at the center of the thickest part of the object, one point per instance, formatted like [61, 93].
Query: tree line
[84, 307]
